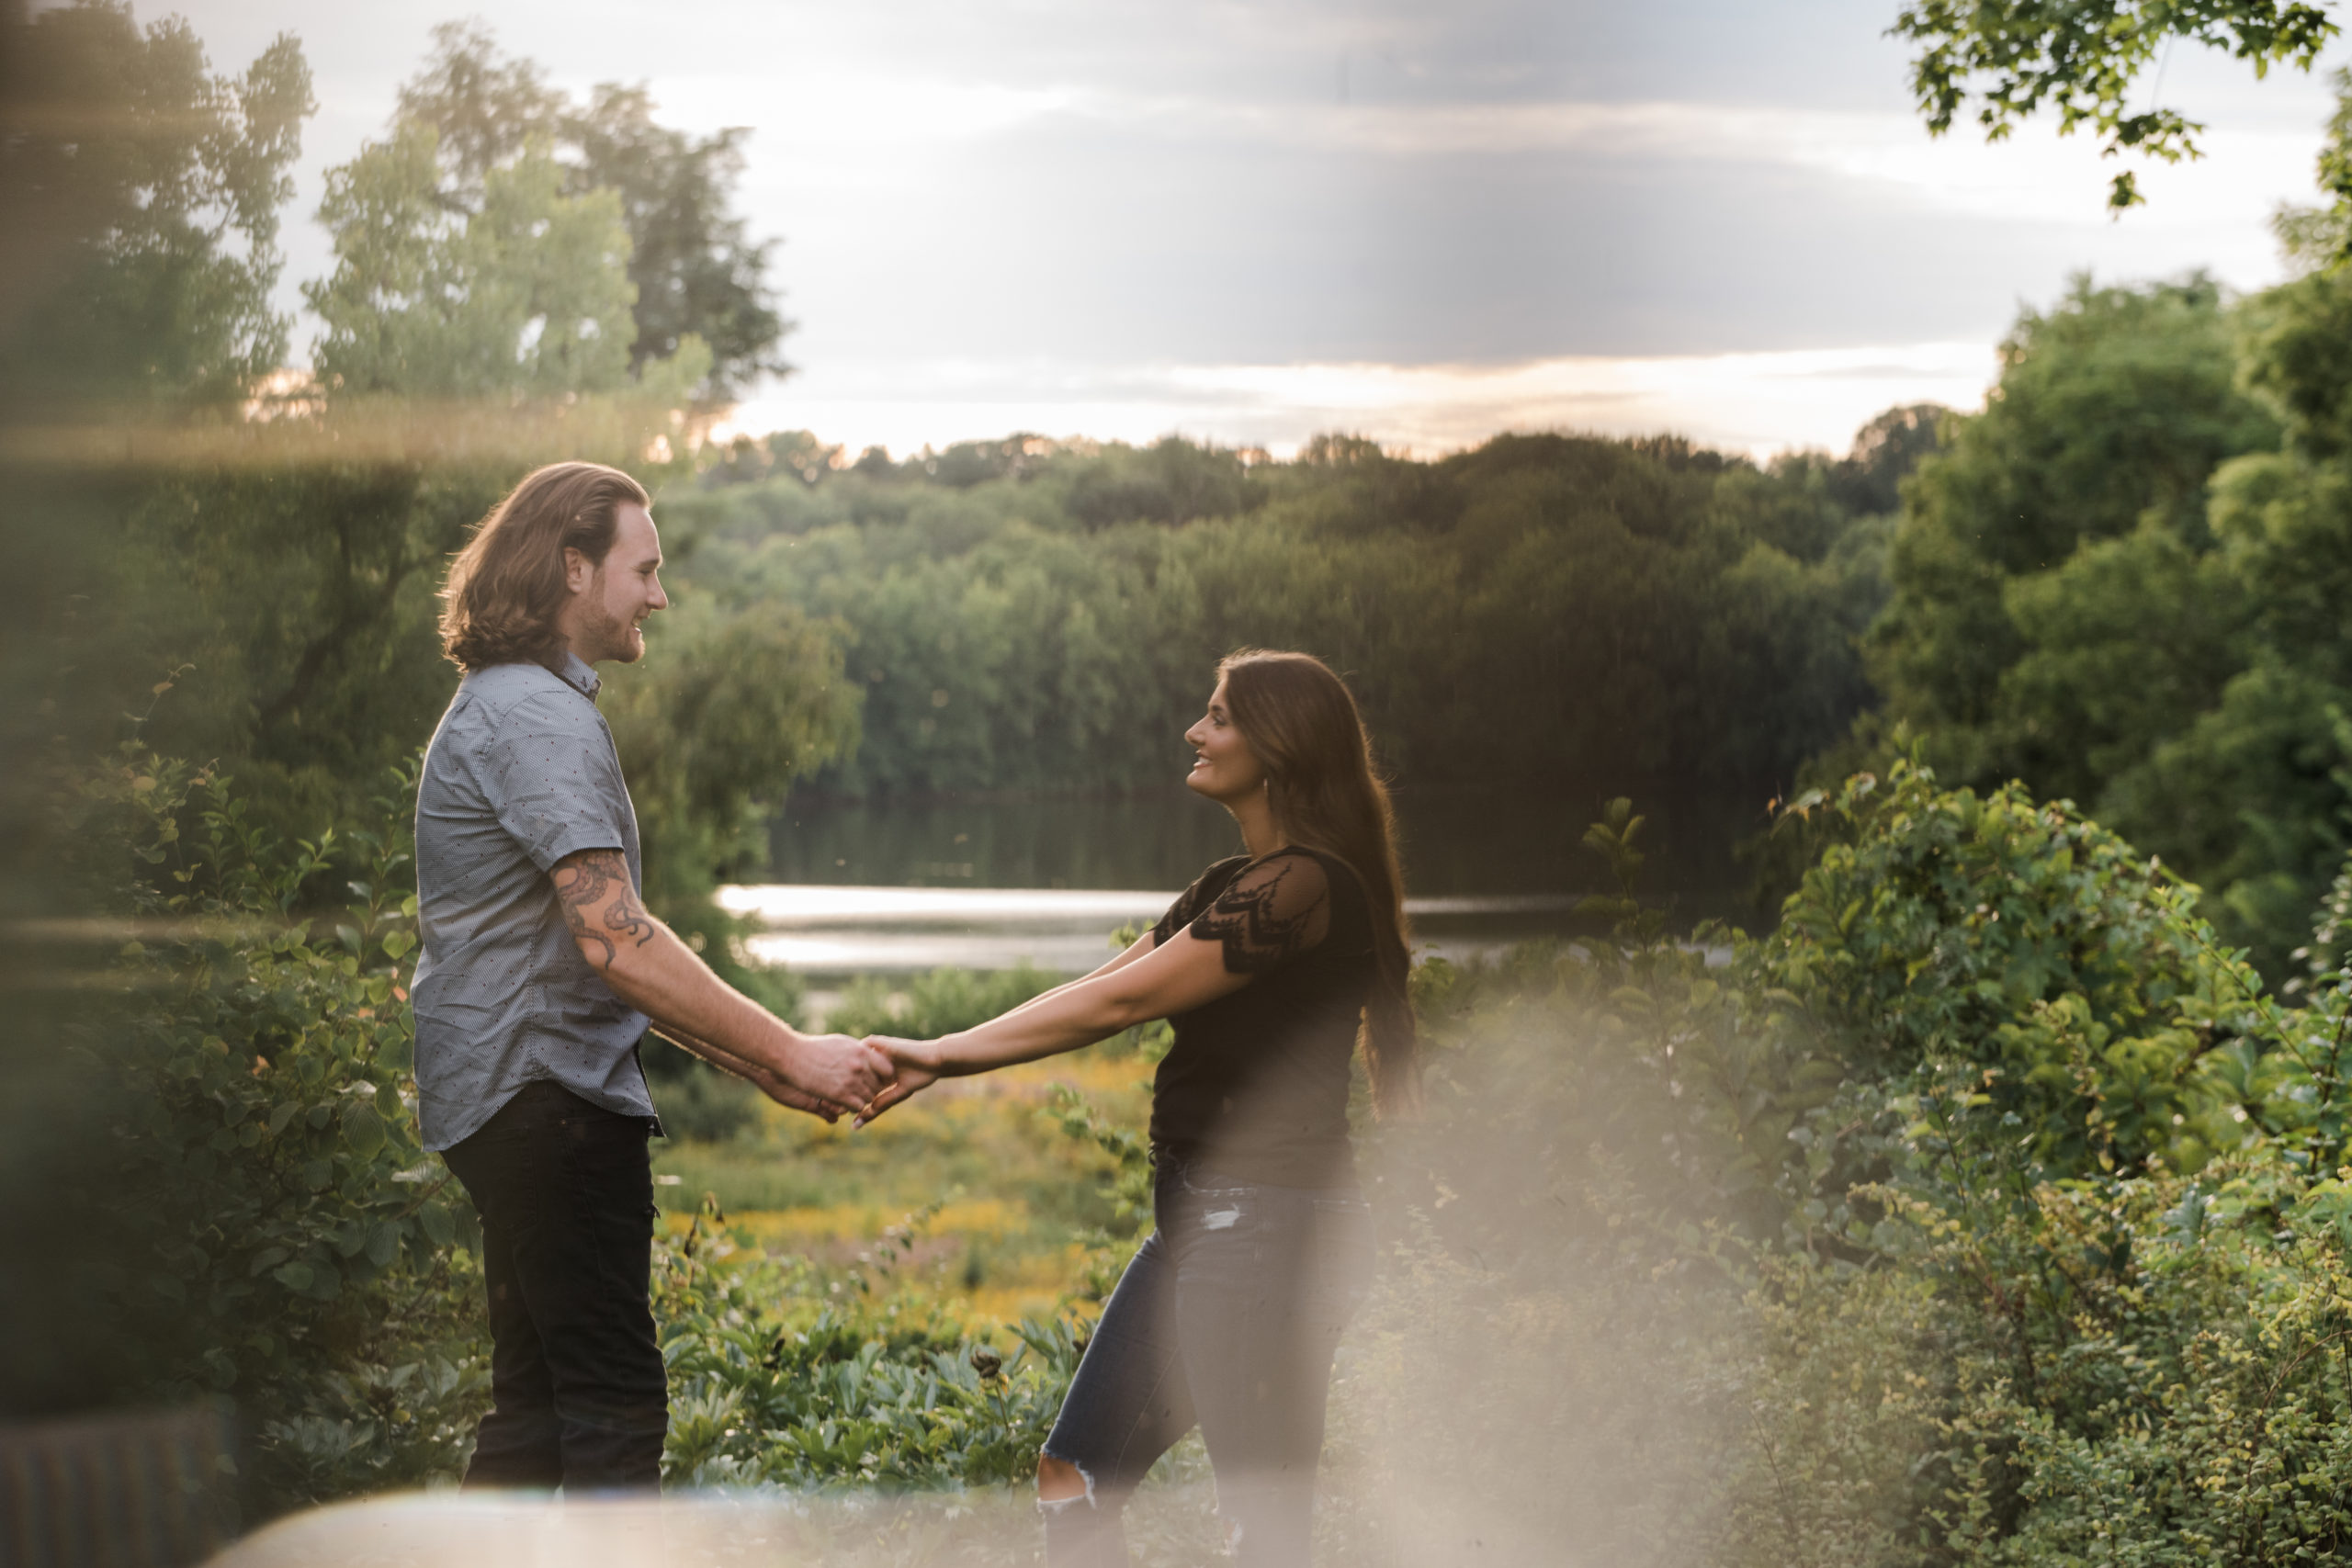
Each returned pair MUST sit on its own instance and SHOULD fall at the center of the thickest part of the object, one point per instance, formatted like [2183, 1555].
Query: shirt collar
[576, 674]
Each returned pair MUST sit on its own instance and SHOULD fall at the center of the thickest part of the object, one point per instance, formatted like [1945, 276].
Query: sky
[1425, 223]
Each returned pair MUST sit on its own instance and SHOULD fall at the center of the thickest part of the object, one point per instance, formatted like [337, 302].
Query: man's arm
[762, 1076]
[647, 967]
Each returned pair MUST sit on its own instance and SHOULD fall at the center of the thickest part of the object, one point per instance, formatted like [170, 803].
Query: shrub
[282, 1237]
[2013, 940]
[774, 1383]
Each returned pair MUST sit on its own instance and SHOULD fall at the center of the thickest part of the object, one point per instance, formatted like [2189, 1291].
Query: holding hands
[838, 1071]
[828, 1076]
[915, 1066]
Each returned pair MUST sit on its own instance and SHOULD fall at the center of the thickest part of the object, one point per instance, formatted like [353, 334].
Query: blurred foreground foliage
[275, 1233]
[1986, 1211]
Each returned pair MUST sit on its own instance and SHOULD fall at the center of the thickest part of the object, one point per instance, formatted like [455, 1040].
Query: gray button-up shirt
[521, 772]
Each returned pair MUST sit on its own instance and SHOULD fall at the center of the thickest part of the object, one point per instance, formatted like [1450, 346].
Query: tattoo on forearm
[587, 880]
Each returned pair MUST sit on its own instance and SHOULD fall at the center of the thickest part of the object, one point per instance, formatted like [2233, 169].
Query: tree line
[1542, 611]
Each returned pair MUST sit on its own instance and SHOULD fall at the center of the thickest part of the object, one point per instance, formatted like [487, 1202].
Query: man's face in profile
[626, 587]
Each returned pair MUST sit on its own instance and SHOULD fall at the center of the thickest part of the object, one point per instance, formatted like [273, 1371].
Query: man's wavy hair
[506, 586]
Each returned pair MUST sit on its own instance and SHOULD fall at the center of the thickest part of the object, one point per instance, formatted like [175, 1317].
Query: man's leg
[576, 1202]
[517, 1444]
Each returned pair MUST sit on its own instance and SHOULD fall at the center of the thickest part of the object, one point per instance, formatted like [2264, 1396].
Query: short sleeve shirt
[521, 772]
[1256, 1085]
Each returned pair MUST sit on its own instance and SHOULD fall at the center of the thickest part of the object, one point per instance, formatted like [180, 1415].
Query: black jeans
[581, 1398]
[1228, 1315]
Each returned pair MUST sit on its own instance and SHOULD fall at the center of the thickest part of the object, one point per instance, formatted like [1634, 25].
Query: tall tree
[2112, 411]
[525, 295]
[696, 269]
[143, 191]
[2124, 582]
[140, 197]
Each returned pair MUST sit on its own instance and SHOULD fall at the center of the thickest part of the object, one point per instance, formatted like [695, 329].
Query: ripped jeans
[1228, 1316]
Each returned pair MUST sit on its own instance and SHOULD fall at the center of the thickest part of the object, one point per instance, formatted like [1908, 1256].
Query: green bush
[777, 1378]
[2111, 1208]
[1986, 1301]
[282, 1238]
[2018, 940]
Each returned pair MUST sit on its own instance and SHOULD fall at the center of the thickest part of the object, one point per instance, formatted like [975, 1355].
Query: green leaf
[363, 1129]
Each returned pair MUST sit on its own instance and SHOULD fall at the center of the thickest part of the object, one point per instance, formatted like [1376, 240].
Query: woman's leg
[1127, 1406]
[1268, 1281]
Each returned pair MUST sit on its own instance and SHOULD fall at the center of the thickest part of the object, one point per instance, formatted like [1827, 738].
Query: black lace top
[1256, 1086]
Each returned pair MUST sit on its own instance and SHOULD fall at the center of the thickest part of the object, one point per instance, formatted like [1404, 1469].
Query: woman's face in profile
[1223, 767]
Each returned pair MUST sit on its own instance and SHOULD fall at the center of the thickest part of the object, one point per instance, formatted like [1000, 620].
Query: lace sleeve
[1179, 915]
[1188, 903]
[1273, 912]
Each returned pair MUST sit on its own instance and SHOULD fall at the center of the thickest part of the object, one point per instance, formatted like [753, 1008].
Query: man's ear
[577, 570]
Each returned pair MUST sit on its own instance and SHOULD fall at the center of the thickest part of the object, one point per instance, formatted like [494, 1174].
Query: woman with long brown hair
[1271, 967]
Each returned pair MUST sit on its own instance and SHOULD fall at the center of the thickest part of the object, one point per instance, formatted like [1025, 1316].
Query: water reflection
[900, 886]
[832, 932]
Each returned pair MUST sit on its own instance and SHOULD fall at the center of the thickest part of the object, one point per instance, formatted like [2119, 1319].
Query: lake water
[893, 888]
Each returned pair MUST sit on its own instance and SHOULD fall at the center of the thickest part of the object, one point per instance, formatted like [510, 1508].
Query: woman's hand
[916, 1064]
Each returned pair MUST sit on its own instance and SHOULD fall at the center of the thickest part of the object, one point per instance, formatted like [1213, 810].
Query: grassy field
[971, 1199]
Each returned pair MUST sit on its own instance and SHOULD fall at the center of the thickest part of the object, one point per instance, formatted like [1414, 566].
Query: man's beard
[610, 635]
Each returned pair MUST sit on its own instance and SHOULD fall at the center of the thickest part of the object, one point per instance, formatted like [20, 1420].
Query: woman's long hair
[506, 586]
[1302, 725]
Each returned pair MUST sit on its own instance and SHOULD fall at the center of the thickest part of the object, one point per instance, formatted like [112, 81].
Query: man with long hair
[540, 971]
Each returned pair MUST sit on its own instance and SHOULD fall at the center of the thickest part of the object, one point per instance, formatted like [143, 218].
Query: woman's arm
[1144, 982]
[1118, 960]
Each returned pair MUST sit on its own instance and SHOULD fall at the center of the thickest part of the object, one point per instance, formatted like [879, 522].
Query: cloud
[1754, 404]
[1102, 185]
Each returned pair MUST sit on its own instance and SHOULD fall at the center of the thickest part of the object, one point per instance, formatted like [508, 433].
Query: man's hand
[839, 1068]
[828, 1076]
[915, 1064]
[760, 1075]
